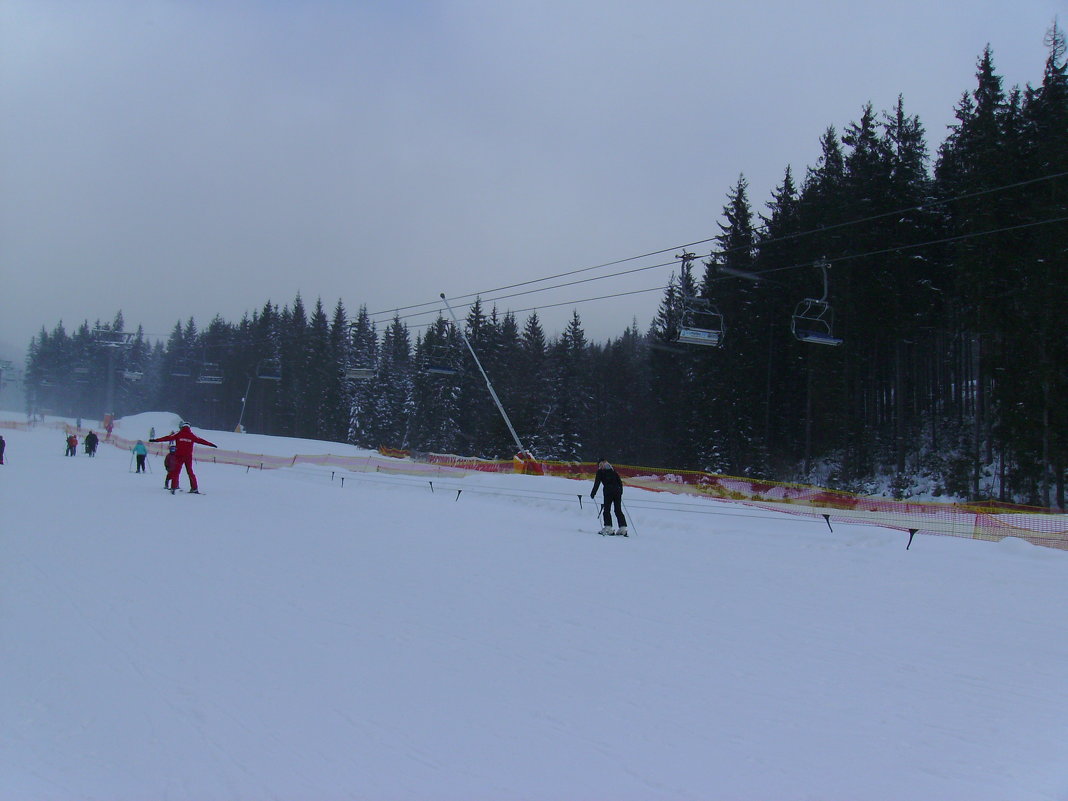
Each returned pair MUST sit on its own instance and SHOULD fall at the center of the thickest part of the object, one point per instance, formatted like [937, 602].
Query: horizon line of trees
[948, 287]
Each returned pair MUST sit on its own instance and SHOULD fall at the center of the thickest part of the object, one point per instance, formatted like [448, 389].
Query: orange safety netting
[984, 521]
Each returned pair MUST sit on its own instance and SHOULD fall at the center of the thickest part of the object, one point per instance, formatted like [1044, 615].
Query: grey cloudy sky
[198, 158]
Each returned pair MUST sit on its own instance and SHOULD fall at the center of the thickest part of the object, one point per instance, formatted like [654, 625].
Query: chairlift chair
[132, 375]
[813, 319]
[813, 322]
[210, 373]
[112, 339]
[439, 361]
[702, 323]
[269, 370]
[440, 369]
[360, 373]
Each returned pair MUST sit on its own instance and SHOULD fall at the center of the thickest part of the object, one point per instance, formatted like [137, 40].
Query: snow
[283, 636]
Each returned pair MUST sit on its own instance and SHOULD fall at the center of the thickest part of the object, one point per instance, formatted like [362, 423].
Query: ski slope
[286, 637]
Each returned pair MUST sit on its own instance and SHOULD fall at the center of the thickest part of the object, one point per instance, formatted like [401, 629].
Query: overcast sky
[193, 159]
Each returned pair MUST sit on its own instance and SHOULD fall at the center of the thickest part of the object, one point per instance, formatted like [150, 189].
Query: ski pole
[630, 520]
[130, 468]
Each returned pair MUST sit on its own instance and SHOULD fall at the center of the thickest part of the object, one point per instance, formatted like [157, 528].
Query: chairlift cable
[761, 273]
[926, 205]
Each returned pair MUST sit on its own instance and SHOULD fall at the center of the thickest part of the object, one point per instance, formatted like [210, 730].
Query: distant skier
[2, 446]
[91, 441]
[613, 497]
[140, 451]
[72, 445]
[183, 441]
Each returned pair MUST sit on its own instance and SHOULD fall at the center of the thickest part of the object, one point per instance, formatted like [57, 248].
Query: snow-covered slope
[284, 636]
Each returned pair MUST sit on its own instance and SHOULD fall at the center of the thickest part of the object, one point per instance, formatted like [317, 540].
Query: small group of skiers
[90, 442]
[180, 453]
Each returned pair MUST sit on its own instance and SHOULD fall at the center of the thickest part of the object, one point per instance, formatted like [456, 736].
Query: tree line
[944, 279]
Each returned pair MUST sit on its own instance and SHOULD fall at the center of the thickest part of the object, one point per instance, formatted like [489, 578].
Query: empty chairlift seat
[702, 323]
[210, 373]
[813, 320]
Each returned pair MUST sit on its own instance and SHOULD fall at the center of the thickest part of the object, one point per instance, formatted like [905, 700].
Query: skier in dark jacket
[91, 441]
[183, 443]
[613, 497]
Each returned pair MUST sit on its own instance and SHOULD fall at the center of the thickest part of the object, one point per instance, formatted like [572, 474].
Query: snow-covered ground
[285, 636]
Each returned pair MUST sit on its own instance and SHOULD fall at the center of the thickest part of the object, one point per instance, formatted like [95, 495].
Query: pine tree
[363, 356]
[475, 408]
[972, 164]
[435, 423]
[294, 352]
[674, 375]
[535, 401]
[779, 249]
[570, 388]
[388, 419]
[729, 377]
[1042, 262]
[337, 400]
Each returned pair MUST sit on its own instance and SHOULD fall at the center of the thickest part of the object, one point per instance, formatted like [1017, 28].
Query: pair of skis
[608, 531]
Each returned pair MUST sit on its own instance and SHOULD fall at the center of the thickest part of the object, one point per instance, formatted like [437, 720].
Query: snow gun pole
[489, 386]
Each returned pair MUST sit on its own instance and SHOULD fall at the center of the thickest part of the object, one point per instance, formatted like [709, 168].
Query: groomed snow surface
[286, 637]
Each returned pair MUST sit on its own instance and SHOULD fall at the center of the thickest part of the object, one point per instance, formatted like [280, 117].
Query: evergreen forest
[891, 318]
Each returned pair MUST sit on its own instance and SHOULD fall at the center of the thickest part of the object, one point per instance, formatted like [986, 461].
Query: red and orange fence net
[983, 521]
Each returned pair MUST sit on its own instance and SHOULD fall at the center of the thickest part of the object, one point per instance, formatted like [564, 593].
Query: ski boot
[622, 532]
[607, 531]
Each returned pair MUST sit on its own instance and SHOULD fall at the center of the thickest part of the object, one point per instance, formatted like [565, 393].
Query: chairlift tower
[267, 369]
[113, 341]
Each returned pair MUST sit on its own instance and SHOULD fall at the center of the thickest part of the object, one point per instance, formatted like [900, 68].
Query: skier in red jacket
[183, 441]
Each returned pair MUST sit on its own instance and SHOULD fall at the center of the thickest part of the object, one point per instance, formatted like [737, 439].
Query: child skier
[170, 462]
[140, 451]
